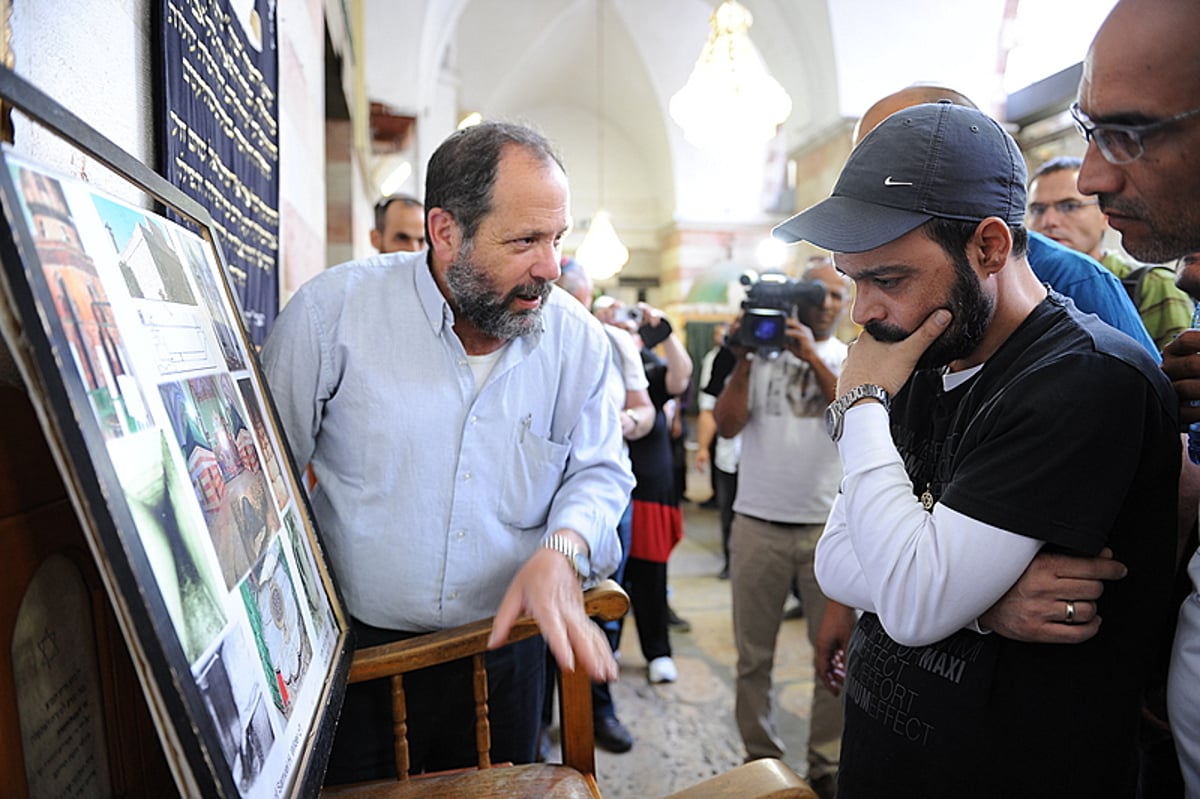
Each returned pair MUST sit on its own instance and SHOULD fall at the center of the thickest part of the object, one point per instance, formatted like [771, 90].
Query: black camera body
[770, 300]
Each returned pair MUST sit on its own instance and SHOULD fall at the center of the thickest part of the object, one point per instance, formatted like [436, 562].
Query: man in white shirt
[788, 474]
[467, 452]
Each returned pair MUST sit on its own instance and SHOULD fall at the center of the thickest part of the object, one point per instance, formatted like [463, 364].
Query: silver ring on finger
[1070, 612]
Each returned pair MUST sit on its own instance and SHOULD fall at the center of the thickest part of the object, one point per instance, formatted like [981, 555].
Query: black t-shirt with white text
[1068, 434]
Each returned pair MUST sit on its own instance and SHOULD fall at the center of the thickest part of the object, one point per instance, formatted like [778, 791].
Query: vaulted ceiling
[597, 77]
[586, 72]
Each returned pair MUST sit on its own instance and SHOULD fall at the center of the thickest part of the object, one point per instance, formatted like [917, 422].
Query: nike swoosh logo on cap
[889, 182]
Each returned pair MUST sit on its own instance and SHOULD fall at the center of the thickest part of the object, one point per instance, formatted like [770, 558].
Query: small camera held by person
[628, 313]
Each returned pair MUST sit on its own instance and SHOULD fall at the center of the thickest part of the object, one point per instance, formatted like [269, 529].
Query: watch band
[835, 414]
[567, 548]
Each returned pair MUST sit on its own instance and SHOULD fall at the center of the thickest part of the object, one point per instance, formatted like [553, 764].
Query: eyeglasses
[1064, 207]
[1122, 144]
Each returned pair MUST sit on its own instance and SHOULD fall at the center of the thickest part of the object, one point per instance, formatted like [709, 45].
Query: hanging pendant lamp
[730, 100]
[601, 253]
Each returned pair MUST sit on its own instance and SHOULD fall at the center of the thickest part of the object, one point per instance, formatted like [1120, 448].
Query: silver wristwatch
[835, 414]
[578, 559]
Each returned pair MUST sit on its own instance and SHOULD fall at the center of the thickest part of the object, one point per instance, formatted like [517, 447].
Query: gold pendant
[927, 499]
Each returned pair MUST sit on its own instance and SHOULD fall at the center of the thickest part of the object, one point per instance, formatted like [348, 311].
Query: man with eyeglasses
[1058, 211]
[1187, 275]
[399, 224]
[1139, 110]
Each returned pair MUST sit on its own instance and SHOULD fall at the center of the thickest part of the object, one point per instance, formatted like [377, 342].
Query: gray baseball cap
[931, 160]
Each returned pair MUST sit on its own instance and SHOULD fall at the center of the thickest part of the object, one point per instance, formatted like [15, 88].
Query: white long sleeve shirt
[926, 575]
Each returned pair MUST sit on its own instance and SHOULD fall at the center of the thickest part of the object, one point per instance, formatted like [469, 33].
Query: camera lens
[766, 330]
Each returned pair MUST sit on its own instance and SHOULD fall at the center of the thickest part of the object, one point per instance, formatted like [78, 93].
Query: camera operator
[787, 478]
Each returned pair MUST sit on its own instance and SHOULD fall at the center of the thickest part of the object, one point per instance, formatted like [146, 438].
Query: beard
[1171, 234]
[972, 311]
[477, 300]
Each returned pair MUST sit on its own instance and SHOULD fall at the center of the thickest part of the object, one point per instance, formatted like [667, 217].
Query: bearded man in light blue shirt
[467, 455]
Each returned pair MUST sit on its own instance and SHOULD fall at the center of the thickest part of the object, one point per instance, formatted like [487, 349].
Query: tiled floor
[684, 731]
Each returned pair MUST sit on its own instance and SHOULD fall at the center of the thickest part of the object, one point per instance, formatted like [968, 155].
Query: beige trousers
[764, 559]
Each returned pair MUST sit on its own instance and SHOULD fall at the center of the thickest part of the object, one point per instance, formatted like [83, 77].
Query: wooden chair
[575, 778]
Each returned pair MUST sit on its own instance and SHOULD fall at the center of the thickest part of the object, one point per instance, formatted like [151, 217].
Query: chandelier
[601, 253]
[730, 99]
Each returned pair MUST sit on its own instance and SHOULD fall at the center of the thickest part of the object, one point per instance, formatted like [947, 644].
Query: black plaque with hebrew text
[220, 126]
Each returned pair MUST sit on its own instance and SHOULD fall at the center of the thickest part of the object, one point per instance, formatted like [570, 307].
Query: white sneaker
[663, 670]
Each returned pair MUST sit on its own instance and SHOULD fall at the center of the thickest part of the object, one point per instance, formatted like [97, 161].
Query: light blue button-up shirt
[430, 496]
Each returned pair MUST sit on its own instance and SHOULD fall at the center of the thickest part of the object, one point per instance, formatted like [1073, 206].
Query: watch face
[831, 422]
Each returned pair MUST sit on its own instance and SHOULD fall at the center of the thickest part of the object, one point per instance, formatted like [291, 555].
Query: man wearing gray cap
[968, 413]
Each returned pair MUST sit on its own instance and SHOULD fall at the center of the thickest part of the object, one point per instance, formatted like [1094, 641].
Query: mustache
[537, 290]
[1110, 204]
[883, 332]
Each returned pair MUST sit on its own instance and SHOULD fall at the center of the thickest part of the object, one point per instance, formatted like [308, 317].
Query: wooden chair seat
[547, 780]
[576, 777]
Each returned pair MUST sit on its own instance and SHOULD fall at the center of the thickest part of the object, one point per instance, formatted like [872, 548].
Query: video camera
[770, 300]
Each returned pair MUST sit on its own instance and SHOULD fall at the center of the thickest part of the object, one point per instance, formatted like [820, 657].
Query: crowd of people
[959, 497]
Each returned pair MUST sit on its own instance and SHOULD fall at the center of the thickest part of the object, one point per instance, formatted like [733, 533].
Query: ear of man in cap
[929, 160]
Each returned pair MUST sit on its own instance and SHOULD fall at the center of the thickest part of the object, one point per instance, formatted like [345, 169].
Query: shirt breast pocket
[533, 473]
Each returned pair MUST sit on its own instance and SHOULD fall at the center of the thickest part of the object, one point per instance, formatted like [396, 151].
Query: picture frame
[132, 348]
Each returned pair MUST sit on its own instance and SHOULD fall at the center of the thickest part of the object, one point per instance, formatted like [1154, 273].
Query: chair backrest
[607, 601]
